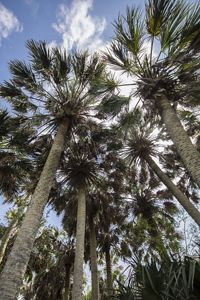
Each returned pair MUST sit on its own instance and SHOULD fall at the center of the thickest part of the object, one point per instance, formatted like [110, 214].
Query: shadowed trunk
[12, 275]
[93, 256]
[187, 151]
[109, 272]
[79, 252]
[182, 199]
[9, 233]
[67, 282]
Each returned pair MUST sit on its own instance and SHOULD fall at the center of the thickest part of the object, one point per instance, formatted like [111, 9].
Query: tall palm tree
[160, 49]
[110, 222]
[58, 87]
[142, 146]
[67, 205]
[110, 213]
[79, 170]
[92, 145]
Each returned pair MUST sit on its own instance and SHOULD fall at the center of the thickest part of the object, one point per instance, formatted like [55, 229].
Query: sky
[85, 24]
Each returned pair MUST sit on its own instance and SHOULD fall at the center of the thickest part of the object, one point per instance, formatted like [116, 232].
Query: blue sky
[81, 23]
[84, 22]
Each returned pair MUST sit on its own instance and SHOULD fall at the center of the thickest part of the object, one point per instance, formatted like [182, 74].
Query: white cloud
[34, 5]
[78, 27]
[8, 22]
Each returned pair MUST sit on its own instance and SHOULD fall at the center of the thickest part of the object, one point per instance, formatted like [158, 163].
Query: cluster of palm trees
[113, 182]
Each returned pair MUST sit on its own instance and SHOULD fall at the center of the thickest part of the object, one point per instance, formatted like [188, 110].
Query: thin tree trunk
[109, 272]
[187, 151]
[182, 199]
[9, 233]
[79, 252]
[67, 282]
[93, 256]
[17, 261]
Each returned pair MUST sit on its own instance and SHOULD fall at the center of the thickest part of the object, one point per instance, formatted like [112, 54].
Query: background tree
[144, 145]
[15, 164]
[50, 266]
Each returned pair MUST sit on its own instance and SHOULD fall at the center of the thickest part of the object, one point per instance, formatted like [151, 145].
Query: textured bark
[67, 282]
[93, 256]
[16, 264]
[109, 272]
[79, 253]
[187, 151]
[9, 233]
[182, 199]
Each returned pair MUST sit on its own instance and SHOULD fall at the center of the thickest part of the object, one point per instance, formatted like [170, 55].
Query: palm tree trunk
[109, 272]
[93, 256]
[67, 282]
[80, 240]
[16, 264]
[9, 233]
[188, 153]
[182, 199]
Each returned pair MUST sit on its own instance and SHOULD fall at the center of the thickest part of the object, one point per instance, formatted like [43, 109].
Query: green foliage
[168, 280]
[50, 265]
[159, 49]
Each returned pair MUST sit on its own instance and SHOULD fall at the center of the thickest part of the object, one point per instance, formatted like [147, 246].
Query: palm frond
[41, 57]
[112, 106]
[158, 13]
[17, 98]
[62, 65]
[190, 33]
[121, 59]
[130, 31]
[4, 121]
[23, 75]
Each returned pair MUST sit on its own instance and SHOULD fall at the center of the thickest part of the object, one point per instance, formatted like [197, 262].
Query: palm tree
[79, 170]
[142, 146]
[59, 88]
[110, 214]
[151, 218]
[67, 204]
[167, 74]
[110, 221]
[102, 210]
[92, 146]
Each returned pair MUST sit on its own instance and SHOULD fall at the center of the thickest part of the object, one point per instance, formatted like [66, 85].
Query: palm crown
[54, 86]
[160, 48]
